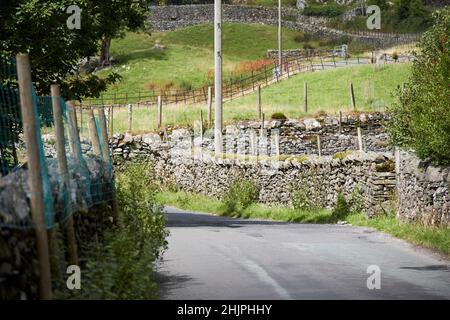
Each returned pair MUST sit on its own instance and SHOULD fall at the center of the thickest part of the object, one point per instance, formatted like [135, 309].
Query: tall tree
[114, 17]
[39, 28]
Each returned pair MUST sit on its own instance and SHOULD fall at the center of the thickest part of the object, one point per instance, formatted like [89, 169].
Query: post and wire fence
[48, 178]
[134, 112]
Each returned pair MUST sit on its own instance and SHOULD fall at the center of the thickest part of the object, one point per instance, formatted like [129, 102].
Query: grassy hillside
[188, 54]
[328, 92]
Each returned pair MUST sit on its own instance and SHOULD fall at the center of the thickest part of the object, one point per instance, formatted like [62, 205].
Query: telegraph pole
[280, 52]
[218, 76]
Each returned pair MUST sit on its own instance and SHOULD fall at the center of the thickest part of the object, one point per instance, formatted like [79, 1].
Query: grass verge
[435, 238]
[201, 203]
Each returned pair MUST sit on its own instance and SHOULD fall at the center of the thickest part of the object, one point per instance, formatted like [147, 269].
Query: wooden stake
[258, 106]
[74, 139]
[63, 171]
[209, 107]
[93, 133]
[130, 117]
[360, 142]
[352, 96]
[319, 147]
[104, 133]
[106, 157]
[340, 122]
[201, 125]
[34, 173]
[305, 105]
[159, 112]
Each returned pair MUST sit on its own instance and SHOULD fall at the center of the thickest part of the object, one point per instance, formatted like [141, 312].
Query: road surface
[223, 258]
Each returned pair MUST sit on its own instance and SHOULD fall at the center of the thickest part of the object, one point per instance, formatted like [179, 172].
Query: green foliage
[420, 119]
[301, 200]
[278, 116]
[121, 267]
[39, 27]
[356, 201]
[200, 203]
[436, 238]
[342, 208]
[411, 15]
[240, 195]
[329, 10]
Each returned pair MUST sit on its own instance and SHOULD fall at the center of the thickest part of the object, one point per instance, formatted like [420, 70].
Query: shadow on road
[178, 218]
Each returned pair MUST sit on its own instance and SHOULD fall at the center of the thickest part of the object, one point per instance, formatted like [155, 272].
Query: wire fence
[88, 177]
[143, 112]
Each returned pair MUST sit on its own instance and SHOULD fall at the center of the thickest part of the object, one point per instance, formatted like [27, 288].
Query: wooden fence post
[340, 122]
[93, 133]
[258, 105]
[352, 96]
[130, 117]
[201, 125]
[63, 170]
[106, 157]
[81, 119]
[30, 131]
[209, 106]
[111, 123]
[319, 146]
[360, 142]
[305, 93]
[159, 112]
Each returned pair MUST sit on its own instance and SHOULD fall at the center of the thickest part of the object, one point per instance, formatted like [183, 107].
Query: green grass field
[188, 55]
[328, 92]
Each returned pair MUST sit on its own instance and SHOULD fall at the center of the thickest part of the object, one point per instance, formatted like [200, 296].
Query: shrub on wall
[420, 120]
[240, 195]
[121, 266]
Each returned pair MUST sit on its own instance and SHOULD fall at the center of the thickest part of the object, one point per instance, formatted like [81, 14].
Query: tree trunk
[104, 54]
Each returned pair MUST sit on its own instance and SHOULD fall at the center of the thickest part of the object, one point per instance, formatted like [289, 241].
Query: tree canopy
[39, 28]
[421, 117]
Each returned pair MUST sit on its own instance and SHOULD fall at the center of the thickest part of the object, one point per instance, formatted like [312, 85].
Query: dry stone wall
[423, 190]
[163, 18]
[377, 176]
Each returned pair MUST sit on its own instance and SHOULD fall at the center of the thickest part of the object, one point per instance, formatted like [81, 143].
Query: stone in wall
[423, 190]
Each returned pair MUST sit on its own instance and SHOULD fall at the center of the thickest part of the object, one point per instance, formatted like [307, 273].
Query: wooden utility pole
[218, 76]
[31, 132]
[280, 47]
[63, 170]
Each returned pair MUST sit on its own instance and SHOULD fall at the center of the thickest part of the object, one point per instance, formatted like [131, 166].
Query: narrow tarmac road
[213, 257]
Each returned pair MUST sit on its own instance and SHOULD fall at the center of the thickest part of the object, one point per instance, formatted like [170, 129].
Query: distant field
[328, 92]
[188, 54]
